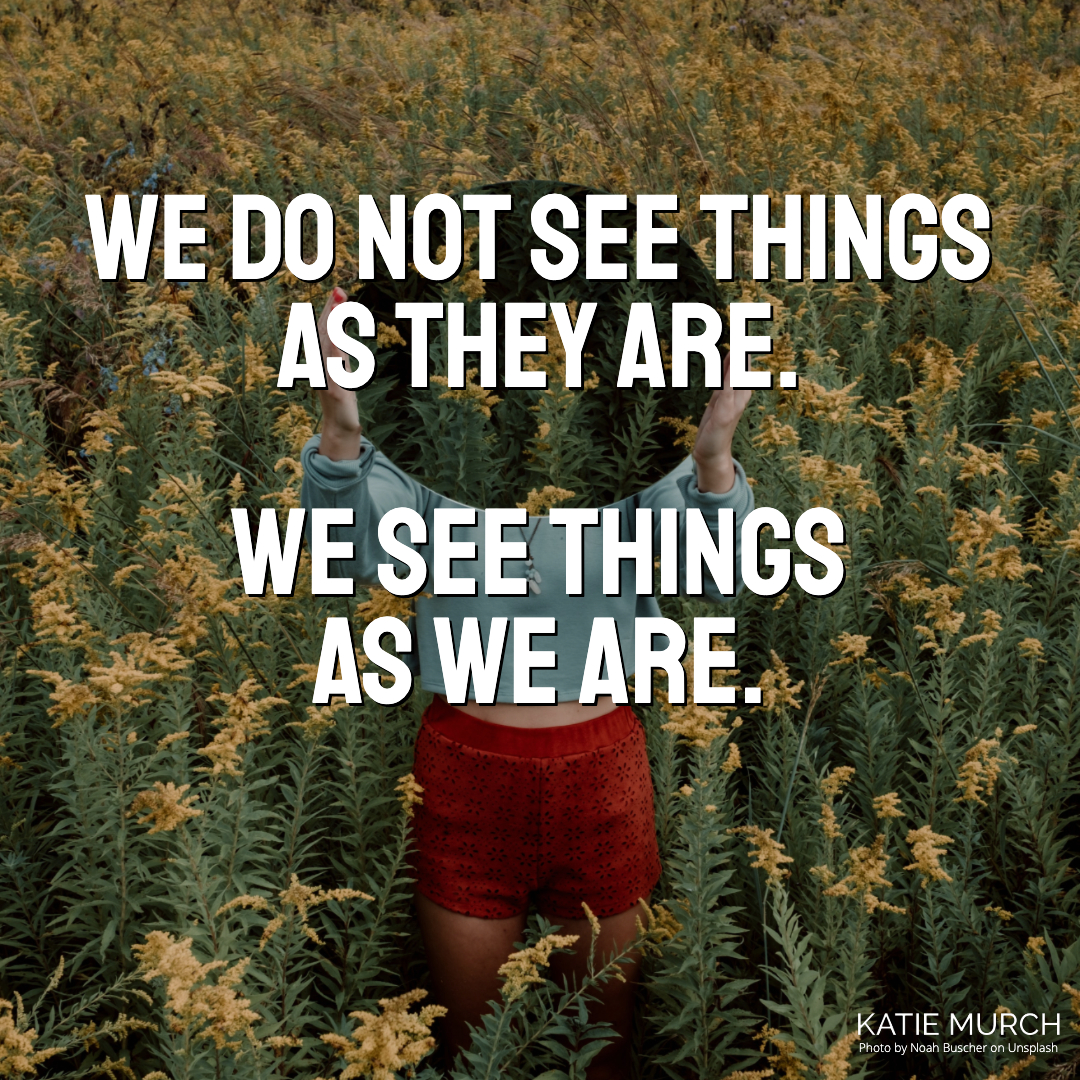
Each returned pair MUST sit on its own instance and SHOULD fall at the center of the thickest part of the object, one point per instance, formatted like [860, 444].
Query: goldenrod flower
[17, 1054]
[828, 823]
[769, 854]
[980, 462]
[479, 397]
[771, 434]
[388, 1042]
[835, 782]
[380, 603]
[835, 1065]
[866, 872]
[244, 721]
[522, 968]
[777, 689]
[979, 772]
[387, 335]
[1010, 1072]
[1030, 648]
[786, 1064]
[410, 793]
[923, 843]
[686, 431]
[215, 1010]
[991, 626]
[839, 482]
[887, 806]
[851, 647]
[165, 806]
[538, 503]
[1000, 912]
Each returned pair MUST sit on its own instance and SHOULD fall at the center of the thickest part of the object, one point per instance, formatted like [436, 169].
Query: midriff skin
[537, 716]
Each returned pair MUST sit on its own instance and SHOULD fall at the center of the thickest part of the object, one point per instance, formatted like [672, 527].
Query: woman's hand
[341, 421]
[712, 451]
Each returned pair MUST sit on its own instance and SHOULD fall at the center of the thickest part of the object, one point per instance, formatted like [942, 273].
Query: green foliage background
[939, 419]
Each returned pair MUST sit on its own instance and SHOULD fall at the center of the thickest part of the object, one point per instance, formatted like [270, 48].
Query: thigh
[614, 1002]
[464, 956]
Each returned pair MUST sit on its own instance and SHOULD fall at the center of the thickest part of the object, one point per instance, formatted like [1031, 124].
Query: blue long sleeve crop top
[372, 485]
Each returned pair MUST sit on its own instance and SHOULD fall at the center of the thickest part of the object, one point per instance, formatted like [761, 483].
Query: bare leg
[616, 999]
[464, 955]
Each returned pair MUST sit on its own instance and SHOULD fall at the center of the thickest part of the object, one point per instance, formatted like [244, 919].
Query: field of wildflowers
[202, 876]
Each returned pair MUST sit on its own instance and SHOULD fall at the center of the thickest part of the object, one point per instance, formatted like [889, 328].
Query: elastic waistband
[548, 742]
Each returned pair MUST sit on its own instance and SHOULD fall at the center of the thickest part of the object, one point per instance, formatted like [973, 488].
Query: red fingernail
[339, 295]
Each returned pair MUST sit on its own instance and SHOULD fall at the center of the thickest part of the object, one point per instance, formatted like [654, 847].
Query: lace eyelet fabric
[562, 814]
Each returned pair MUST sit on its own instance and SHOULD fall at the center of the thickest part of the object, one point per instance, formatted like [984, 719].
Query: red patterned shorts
[561, 813]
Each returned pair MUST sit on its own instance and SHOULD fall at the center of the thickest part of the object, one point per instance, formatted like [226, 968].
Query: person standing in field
[549, 802]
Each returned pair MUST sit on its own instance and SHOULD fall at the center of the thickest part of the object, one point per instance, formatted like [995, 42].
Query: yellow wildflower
[887, 806]
[411, 794]
[382, 602]
[166, 806]
[387, 335]
[480, 398]
[777, 689]
[923, 843]
[866, 871]
[1042, 418]
[835, 782]
[5, 761]
[835, 1065]
[387, 1042]
[1024, 729]
[320, 720]
[70, 699]
[522, 968]
[828, 823]
[243, 722]
[979, 772]
[786, 1064]
[770, 435]
[767, 853]
[733, 760]
[17, 1054]
[216, 1010]
[191, 586]
[839, 482]
[538, 503]
[1035, 945]
[1030, 648]
[167, 741]
[980, 462]
[295, 426]
[828, 406]
[1074, 1001]
[991, 627]
[851, 647]
[685, 431]
[1010, 1072]
[1000, 912]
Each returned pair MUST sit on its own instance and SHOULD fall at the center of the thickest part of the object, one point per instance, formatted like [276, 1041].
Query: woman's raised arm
[341, 421]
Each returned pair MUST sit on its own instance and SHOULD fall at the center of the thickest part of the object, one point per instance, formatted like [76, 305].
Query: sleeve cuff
[740, 497]
[336, 474]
